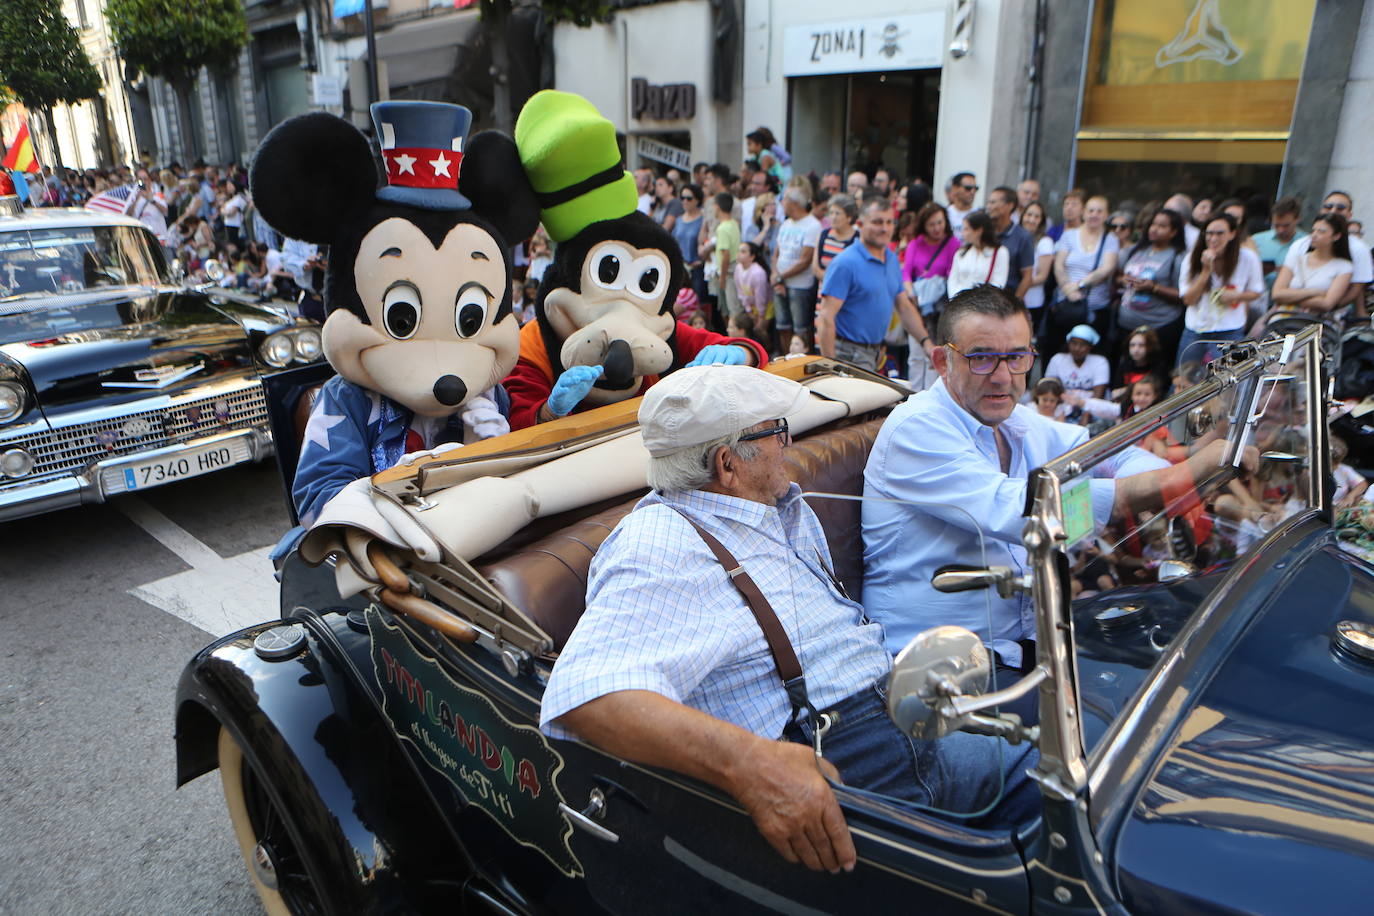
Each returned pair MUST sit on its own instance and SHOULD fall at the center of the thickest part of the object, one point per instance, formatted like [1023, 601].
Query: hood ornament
[157, 376]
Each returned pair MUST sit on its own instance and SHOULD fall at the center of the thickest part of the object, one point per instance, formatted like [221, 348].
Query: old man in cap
[670, 665]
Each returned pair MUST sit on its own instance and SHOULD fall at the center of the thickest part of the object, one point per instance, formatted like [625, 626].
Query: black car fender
[362, 819]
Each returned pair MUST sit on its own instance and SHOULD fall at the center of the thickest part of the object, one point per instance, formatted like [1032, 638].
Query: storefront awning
[425, 49]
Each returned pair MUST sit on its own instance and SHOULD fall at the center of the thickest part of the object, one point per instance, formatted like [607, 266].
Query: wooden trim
[1255, 152]
[1217, 107]
[588, 423]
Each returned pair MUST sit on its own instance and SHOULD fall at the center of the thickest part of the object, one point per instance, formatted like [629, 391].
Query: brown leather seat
[304, 405]
[547, 579]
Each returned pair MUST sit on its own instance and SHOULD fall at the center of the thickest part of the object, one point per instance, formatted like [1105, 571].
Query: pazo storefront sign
[913, 41]
[669, 102]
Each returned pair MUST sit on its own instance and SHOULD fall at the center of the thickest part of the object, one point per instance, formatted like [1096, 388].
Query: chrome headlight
[308, 345]
[277, 350]
[16, 463]
[12, 401]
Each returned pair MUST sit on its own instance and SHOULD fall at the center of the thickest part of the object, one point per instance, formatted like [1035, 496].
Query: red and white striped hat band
[417, 167]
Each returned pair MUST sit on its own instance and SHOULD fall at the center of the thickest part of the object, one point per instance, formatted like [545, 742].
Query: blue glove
[572, 386]
[721, 355]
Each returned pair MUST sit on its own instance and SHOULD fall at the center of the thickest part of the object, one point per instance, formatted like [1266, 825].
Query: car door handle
[596, 807]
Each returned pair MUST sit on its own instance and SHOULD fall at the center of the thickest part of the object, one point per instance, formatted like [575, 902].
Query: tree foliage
[173, 39]
[42, 61]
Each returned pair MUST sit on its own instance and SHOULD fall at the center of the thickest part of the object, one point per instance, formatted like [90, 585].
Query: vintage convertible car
[1204, 674]
[115, 375]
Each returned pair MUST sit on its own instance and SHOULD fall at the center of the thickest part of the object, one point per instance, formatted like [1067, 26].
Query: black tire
[267, 837]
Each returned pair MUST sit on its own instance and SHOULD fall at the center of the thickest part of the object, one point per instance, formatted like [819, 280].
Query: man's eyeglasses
[969, 187]
[1018, 361]
[779, 430]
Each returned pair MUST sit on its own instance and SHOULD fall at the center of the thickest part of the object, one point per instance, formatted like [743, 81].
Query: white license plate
[190, 463]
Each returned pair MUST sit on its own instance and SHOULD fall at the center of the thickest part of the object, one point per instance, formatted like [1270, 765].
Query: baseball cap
[701, 403]
[1084, 332]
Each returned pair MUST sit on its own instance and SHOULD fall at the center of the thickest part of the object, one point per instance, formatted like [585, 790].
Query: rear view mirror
[939, 663]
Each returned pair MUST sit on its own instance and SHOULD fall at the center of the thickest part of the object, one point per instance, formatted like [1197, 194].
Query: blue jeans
[801, 307]
[960, 773]
[1204, 352]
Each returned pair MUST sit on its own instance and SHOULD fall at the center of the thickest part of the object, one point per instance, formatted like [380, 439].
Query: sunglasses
[1018, 362]
[779, 430]
[688, 197]
[969, 187]
[1117, 227]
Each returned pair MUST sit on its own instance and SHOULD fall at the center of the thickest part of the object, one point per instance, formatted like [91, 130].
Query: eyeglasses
[688, 197]
[969, 187]
[1018, 361]
[1117, 227]
[779, 430]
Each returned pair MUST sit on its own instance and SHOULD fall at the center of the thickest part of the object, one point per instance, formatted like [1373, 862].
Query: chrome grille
[71, 449]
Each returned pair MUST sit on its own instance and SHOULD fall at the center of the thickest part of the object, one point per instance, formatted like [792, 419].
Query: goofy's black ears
[311, 175]
[495, 181]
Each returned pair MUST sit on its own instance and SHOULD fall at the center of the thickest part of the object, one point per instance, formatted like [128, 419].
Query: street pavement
[100, 608]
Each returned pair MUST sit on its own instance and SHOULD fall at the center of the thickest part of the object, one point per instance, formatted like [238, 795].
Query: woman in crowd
[1033, 221]
[1315, 281]
[1084, 264]
[843, 212]
[1143, 355]
[1122, 225]
[667, 208]
[686, 230]
[1149, 281]
[927, 261]
[1219, 279]
[231, 211]
[979, 259]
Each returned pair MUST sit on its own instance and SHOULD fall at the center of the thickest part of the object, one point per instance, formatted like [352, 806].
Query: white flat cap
[701, 403]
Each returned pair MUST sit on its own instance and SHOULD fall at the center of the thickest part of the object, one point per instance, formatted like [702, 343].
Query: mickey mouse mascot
[605, 328]
[419, 321]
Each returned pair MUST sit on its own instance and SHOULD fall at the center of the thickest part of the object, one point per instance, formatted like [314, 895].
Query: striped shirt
[663, 616]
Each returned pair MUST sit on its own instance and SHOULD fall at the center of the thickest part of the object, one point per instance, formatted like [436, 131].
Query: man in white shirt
[797, 240]
[1340, 203]
[644, 184]
[960, 192]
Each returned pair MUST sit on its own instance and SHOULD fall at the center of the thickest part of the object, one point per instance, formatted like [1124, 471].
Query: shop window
[1167, 78]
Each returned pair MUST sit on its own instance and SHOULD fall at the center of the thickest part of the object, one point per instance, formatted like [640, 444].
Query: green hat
[570, 154]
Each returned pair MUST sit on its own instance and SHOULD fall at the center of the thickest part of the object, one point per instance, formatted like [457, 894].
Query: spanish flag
[20, 156]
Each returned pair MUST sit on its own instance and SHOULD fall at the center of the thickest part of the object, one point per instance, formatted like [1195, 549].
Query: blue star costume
[354, 432]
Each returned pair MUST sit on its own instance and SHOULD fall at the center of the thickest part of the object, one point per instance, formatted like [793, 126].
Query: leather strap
[784, 657]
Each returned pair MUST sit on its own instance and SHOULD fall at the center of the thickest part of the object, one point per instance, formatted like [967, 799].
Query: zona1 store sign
[908, 42]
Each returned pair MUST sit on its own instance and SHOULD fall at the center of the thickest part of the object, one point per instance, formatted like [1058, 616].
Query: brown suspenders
[784, 657]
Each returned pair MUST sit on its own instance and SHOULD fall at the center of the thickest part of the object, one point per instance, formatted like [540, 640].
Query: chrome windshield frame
[1064, 769]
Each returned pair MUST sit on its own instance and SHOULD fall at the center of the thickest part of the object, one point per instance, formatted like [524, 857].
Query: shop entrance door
[861, 121]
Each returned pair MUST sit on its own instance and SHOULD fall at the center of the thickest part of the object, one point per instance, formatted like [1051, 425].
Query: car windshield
[38, 262]
[1199, 482]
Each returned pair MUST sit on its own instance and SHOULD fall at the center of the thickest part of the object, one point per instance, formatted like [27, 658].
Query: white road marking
[218, 595]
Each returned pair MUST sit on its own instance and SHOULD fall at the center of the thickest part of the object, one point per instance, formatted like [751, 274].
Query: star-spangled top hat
[422, 146]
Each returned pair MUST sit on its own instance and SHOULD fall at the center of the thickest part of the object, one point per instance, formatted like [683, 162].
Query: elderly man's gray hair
[694, 466]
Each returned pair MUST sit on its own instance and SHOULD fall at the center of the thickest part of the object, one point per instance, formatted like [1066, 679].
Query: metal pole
[372, 95]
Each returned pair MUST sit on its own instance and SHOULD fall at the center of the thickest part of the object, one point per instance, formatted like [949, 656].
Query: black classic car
[1205, 675]
[114, 375]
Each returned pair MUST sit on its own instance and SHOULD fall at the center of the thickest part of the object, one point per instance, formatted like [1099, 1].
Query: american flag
[115, 200]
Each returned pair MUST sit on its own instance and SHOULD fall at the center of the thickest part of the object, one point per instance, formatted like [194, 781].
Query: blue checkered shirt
[663, 616]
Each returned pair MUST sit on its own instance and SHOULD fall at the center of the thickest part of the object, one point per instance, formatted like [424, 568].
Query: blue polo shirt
[868, 287]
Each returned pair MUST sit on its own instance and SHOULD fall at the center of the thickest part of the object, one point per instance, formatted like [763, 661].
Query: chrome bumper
[20, 501]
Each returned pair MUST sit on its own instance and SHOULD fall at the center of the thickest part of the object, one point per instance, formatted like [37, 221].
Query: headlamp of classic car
[278, 350]
[16, 463]
[308, 344]
[13, 401]
[301, 345]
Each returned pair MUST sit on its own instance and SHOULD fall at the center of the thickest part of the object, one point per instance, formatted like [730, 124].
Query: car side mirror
[939, 663]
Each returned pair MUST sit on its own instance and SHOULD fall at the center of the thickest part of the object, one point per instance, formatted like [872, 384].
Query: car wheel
[267, 837]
